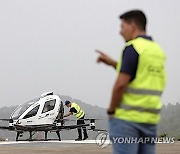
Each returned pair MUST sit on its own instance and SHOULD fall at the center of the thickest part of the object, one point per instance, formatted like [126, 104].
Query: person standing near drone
[79, 114]
[135, 105]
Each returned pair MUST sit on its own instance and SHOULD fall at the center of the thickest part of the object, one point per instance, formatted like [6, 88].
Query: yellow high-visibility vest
[80, 113]
[141, 101]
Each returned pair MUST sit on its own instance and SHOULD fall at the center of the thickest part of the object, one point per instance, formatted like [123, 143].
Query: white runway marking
[13, 142]
[64, 141]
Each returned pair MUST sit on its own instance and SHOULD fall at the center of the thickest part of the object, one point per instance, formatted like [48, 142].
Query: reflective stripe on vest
[140, 109]
[143, 91]
[141, 101]
[80, 113]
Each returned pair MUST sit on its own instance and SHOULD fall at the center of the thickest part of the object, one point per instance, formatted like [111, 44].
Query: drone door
[49, 112]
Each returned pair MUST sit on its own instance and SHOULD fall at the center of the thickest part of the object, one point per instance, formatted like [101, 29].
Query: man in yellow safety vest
[79, 114]
[134, 110]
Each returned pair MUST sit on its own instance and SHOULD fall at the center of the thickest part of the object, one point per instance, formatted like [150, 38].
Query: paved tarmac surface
[69, 147]
[50, 147]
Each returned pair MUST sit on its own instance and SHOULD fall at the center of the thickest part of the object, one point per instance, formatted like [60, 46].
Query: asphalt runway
[53, 147]
[71, 147]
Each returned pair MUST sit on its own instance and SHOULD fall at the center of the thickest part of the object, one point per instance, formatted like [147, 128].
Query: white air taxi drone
[44, 113]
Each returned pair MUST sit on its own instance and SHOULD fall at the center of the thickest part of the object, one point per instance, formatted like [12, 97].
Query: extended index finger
[100, 52]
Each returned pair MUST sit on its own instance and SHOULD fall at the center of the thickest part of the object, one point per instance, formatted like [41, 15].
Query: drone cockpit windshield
[22, 108]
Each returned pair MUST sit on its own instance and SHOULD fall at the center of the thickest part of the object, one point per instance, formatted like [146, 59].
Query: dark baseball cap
[67, 102]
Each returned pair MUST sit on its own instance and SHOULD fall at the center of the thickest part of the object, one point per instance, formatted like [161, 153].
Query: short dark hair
[137, 16]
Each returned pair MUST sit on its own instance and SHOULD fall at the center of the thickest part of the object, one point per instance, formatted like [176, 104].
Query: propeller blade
[93, 119]
[63, 120]
[72, 126]
[4, 119]
[4, 127]
[98, 130]
[84, 119]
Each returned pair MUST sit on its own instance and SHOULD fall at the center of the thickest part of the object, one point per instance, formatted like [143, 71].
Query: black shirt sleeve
[129, 61]
[73, 110]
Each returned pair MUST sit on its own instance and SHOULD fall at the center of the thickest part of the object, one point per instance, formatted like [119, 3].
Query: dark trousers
[79, 122]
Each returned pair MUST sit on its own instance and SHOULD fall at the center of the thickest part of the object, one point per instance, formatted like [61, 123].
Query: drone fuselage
[43, 111]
